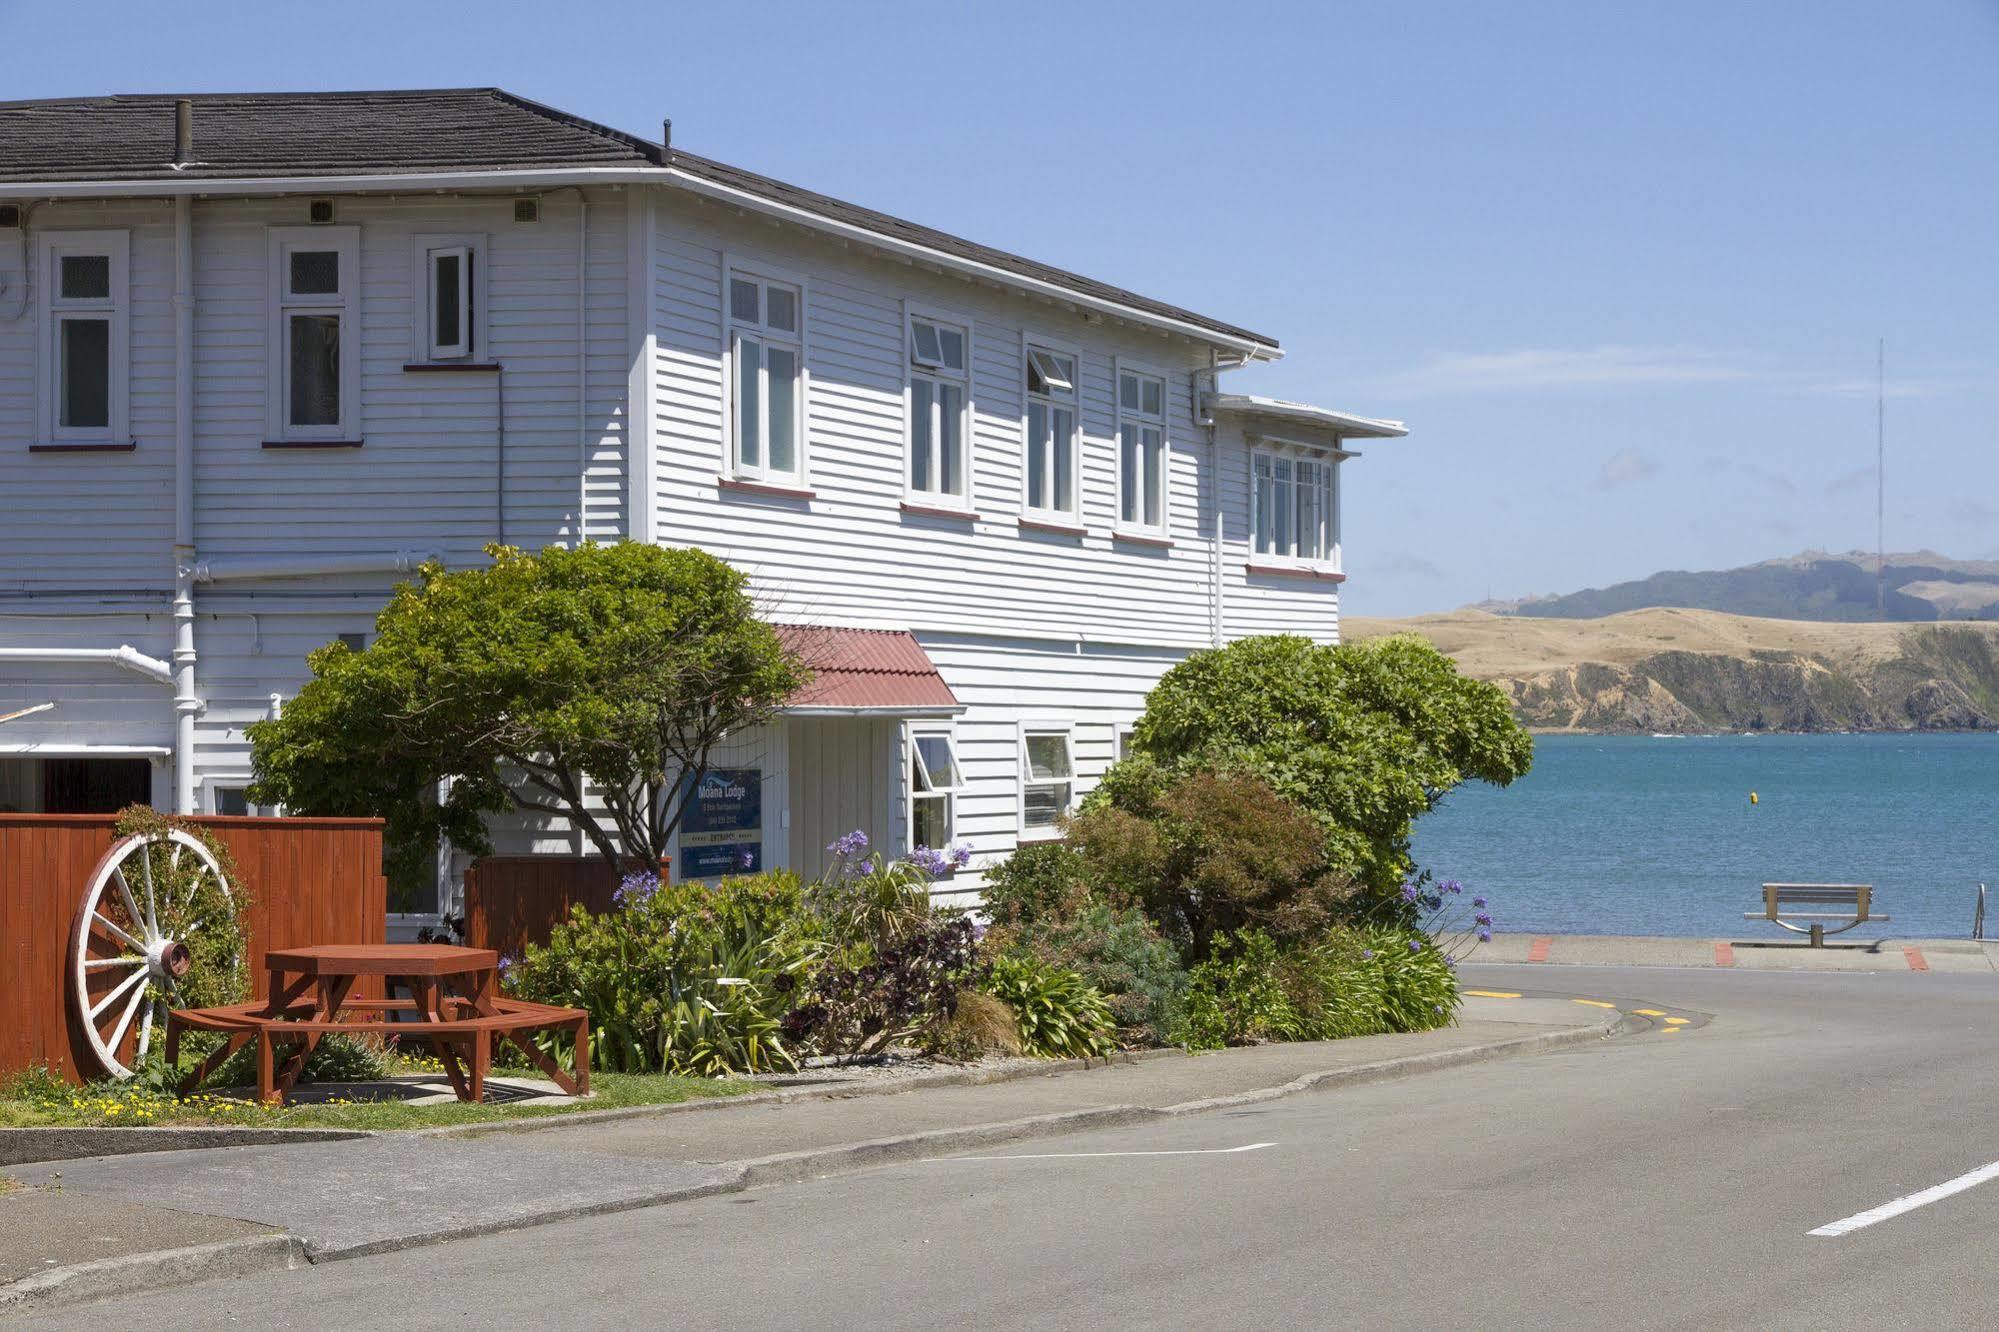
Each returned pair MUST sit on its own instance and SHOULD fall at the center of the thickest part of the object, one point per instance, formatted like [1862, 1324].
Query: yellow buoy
[1752, 797]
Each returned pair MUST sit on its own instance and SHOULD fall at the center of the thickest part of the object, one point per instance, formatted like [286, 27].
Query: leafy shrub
[1207, 853]
[977, 1025]
[1364, 737]
[867, 903]
[1123, 956]
[1236, 997]
[1061, 1015]
[1039, 883]
[1336, 986]
[854, 1011]
[683, 978]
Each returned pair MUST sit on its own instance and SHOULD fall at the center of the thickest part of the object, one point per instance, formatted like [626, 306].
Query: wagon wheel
[129, 954]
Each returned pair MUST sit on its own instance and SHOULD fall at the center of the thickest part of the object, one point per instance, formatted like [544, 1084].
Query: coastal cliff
[1691, 671]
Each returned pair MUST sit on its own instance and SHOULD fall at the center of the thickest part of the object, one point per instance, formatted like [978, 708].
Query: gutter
[232, 567]
[886, 710]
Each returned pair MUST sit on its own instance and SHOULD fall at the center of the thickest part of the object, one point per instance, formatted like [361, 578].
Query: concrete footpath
[96, 1226]
[1748, 952]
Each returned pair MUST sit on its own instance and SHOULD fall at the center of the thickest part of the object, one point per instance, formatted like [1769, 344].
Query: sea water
[1659, 835]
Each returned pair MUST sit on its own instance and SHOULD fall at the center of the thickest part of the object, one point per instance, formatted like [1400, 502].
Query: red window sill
[84, 448]
[1288, 571]
[1060, 529]
[451, 367]
[1141, 539]
[312, 443]
[763, 488]
[938, 511]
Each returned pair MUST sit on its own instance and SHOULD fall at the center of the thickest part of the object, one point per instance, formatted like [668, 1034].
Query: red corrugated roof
[865, 668]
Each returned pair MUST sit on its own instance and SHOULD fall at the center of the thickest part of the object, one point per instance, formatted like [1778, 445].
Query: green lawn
[31, 1103]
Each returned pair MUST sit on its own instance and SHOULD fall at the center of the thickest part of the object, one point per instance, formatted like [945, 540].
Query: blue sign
[721, 831]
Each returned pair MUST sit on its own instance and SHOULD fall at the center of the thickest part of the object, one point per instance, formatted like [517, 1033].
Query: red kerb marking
[1724, 953]
[1917, 962]
[1539, 951]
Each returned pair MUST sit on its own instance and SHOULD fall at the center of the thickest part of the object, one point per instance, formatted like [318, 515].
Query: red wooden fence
[511, 901]
[309, 881]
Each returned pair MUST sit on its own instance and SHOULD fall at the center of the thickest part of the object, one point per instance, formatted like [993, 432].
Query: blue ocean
[1658, 835]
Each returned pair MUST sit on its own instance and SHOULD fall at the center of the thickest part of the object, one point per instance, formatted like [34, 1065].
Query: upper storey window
[1141, 451]
[1051, 461]
[767, 391]
[939, 409]
[1296, 506]
[316, 333]
[84, 300]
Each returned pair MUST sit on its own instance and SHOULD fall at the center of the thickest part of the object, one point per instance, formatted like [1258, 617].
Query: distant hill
[1695, 671]
[1922, 586]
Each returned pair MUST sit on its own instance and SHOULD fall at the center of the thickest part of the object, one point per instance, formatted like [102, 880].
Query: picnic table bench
[454, 1004]
[1785, 905]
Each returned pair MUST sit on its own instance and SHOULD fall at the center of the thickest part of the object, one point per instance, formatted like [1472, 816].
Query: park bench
[1806, 908]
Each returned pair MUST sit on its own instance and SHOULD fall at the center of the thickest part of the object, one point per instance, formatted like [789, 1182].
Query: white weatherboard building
[260, 356]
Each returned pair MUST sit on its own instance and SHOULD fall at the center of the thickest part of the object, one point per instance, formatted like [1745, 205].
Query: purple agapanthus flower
[1453, 886]
[961, 855]
[1367, 955]
[1485, 936]
[1483, 918]
[933, 863]
[1409, 892]
[1415, 945]
[1478, 901]
[635, 890]
[853, 844]
[749, 860]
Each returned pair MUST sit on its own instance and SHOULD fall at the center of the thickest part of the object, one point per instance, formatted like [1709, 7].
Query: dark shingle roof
[238, 135]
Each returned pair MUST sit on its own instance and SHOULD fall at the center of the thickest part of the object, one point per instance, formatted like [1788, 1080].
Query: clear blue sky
[1621, 266]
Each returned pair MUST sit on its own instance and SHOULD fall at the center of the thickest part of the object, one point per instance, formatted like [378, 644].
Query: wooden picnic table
[454, 1001]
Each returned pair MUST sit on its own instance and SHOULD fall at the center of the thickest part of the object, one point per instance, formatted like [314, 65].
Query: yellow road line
[1669, 1031]
[1493, 994]
[1677, 1022]
[1649, 1012]
[1593, 1003]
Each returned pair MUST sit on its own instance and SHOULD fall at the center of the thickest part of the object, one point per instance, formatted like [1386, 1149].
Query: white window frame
[940, 373]
[53, 311]
[1270, 453]
[1122, 728]
[471, 297]
[214, 784]
[1030, 343]
[1067, 730]
[949, 794]
[282, 305]
[1141, 421]
[732, 460]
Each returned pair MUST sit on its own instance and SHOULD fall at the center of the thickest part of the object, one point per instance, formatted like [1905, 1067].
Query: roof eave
[385, 182]
[1345, 425]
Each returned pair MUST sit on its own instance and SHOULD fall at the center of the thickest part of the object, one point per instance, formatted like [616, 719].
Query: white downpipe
[124, 655]
[231, 567]
[187, 702]
[582, 369]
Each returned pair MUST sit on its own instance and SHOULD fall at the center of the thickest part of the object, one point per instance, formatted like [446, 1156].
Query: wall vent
[10, 217]
[527, 210]
[320, 211]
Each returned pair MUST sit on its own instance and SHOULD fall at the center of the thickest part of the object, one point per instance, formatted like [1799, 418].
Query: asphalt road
[1647, 1181]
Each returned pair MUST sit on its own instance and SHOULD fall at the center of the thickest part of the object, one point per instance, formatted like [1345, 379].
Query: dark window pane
[743, 300]
[445, 286]
[930, 824]
[951, 439]
[781, 309]
[86, 373]
[86, 277]
[920, 440]
[315, 272]
[315, 370]
[231, 800]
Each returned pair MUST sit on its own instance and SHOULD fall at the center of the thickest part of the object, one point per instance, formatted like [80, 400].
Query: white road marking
[1909, 1202]
[1071, 1156]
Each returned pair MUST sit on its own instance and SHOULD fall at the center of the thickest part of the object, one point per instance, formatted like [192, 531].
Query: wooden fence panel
[308, 881]
[512, 901]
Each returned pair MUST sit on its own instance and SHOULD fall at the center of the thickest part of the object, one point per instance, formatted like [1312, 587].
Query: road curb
[969, 1077]
[31, 1146]
[60, 1287]
[790, 1167]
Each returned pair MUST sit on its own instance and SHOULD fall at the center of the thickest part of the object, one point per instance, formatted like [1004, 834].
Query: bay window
[1051, 460]
[939, 401]
[766, 391]
[1295, 506]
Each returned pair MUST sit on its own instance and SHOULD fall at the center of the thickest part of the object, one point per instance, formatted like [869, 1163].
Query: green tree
[1364, 736]
[591, 684]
